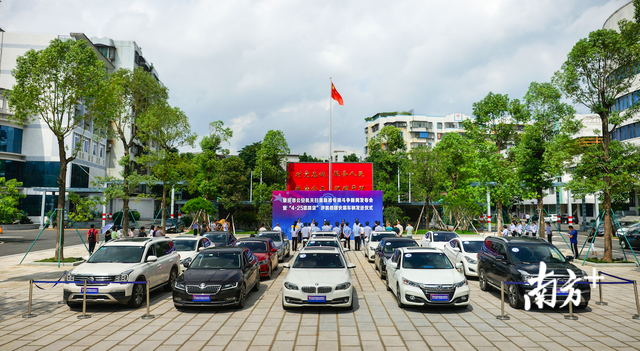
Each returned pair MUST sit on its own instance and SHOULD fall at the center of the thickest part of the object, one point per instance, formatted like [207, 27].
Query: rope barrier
[54, 285]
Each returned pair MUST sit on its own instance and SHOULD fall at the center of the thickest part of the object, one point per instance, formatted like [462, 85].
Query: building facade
[417, 130]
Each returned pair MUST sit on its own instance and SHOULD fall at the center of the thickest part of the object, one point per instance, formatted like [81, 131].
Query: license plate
[89, 291]
[561, 293]
[316, 299]
[439, 297]
[201, 298]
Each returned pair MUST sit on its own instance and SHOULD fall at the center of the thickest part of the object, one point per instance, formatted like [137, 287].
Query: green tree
[166, 129]
[206, 180]
[457, 171]
[392, 214]
[308, 158]
[199, 205]
[50, 85]
[9, 200]
[83, 205]
[598, 69]
[233, 183]
[493, 130]
[132, 93]
[536, 155]
[270, 163]
[249, 154]
[388, 155]
[350, 158]
[426, 178]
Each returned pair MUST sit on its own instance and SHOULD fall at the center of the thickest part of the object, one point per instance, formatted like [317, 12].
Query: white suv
[124, 260]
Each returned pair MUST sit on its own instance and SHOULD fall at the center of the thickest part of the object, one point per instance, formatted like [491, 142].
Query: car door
[449, 250]
[391, 269]
[500, 269]
[273, 255]
[426, 240]
[164, 251]
[151, 271]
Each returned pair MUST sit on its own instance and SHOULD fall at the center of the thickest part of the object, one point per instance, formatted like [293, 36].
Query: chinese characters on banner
[333, 206]
[345, 176]
[546, 286]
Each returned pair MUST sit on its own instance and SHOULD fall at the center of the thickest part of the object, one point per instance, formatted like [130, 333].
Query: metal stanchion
[601, 303]
[502, 316]
[31, 315]
[61, 302]
[571, 316]
[84, 303]
[635, 290]
[148, 316]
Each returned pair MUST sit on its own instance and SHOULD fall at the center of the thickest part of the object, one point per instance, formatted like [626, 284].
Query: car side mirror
[201, 248]
[86, 258]
[186, 265]
[459, 265]
[273, 249]
[152, 258]
[500, 258]
[569, 258]
[286, 265]
[456, 249]
[351, 265]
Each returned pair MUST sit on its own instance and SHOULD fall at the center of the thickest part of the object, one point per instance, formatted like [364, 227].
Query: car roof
[395, 239]
[324, 238]
[216, 232]
[421, 249]
[188, 237]
[237, 249]
[320, 248]
[324, 232]
[269, 232]
[443, 232]
[253, 238]
[464, 238]
[135, 241]
[521, 239]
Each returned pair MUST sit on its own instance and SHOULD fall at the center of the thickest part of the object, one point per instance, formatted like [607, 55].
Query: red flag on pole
[335, 95]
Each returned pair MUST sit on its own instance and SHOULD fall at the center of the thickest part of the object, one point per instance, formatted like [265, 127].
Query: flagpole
[330, 133]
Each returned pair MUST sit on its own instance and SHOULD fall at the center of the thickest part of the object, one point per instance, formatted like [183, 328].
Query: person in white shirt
[336, 229]
[534, 229]
[262, 229]
[326, 227]
[306, 230]
[400, 227]
[225, 226]
[512, 228]
[505, 231]
[519, 229]
[356, 235]
[378, 227]
[367, 231]
[277, 227]
[346, 230]
[314, 227]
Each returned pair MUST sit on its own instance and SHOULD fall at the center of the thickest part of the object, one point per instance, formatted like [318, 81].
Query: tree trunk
[163, 207]
[608, 228]
[498, 216]
[125, 198]
[539, 211]
[62, 189]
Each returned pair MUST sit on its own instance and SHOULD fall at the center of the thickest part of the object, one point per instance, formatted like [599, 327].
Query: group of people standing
[115, 232]
[300, 231]
[216, 225]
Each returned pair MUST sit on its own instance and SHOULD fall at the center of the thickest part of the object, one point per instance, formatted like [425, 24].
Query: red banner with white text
[314, 176]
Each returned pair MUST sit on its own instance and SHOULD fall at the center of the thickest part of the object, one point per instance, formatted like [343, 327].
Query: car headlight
[384, 259]
[411, 283]
[179, 286]
[343, 286]
[260, 263]
[230, 286]
[186, 260]
[124, 276]
[290, 286]
[70, 277]
[470, 260]
[460, 284]
[526, 276]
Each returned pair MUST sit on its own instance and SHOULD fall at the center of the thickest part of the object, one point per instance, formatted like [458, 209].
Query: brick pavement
[376, 323]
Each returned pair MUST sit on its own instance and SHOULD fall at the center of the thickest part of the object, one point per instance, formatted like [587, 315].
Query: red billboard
[314, 176]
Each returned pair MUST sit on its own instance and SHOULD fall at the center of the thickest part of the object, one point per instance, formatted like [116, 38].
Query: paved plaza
[376, 323]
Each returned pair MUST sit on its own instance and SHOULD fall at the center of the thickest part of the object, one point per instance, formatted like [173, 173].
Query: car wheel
[398, 298]
[515, 300]
[482, 280]
[383, 273]
[256, 286]
[270, 272]
[375, 265]
[350, 307]
[387, 284]
[138, 294]
[241, 298]
[172, 279]
[286, 308]
[624, 245]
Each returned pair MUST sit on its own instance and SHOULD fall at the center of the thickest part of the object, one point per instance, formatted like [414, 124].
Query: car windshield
[426, 260]
[473, 246]
[117, 254]
[254, 246]
[185, 245]
[378, 236]
[216, 260]
[391, 246]
[217, 237]
[324, 235]
[444, 236]
[534, 253]
[331, 243]
[318, 260]
[272, 236]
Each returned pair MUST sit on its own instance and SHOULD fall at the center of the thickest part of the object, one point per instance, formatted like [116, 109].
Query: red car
[266, 252]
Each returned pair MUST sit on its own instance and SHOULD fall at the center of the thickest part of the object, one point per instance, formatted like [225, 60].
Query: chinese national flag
[335, 95]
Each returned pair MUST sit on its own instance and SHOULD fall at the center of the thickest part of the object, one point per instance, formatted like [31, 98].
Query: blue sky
[260, 65]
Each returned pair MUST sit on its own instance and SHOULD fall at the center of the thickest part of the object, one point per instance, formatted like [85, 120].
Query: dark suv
[517, 259]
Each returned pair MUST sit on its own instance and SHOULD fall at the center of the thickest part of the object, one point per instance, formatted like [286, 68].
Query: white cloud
[260, 65]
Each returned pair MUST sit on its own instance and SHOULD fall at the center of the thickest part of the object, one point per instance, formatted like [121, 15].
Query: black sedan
[386, 248]
[173, 225]
[631, 237]
[218, 277]
[220, 238]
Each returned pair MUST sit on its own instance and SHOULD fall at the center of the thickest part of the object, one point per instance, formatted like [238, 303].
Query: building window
[85, 146]
[76, 141]
[32, 204]
[450, 124]
[374, 128]
[366, 130]
[11, 170]
[101, 153]
[79, 176]
[41, 174]
[10, 139]
[95, 148]
[439, 125]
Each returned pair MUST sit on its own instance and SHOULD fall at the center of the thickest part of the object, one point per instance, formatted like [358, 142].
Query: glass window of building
[450, 124]
[101, 153]
[95, 148]
[85, 147]
[439, 125]
[79, 176]
[10, 139]
[76, 141]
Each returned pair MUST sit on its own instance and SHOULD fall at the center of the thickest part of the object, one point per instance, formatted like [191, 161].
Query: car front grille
[309, 289]
[318, 290]
[446, 290]
[207, 289]
[324, 290]
[94, 280]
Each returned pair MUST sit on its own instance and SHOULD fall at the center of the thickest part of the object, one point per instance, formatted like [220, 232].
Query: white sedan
[188, 247]
[318, 276]
[437, 239]
[424, 276]
[465, 250]
[372, 242]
